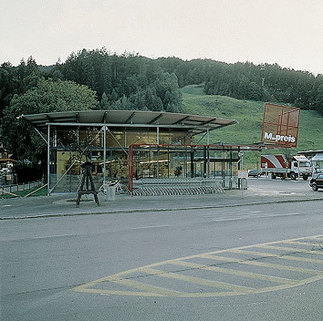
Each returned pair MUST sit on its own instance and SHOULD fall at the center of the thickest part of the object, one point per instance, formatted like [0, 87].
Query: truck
[279, 166]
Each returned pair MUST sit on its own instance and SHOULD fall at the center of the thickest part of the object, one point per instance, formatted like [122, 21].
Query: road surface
[260, 262]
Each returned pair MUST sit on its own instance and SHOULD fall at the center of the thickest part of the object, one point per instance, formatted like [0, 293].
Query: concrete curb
[158, 209]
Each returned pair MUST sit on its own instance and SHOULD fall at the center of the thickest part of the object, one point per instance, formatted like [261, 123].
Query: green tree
[104, 103]
[113, 96]
[254, 91]
[167, 90]
[17, 80]
[18, 136]
[319, 99]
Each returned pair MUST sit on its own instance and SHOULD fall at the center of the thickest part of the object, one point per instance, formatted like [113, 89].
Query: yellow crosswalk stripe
[279, 256]
[312, 244]
[147, 287]
[289, 249]
[115, 292]
[314, 237]
[235, 272]
[263, 264]
[192, 279]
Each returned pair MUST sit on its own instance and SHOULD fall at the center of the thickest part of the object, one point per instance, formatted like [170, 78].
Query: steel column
[157, 135]
[48, 159]
[104, 152]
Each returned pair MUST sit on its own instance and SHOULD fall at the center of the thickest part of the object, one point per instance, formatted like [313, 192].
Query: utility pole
[262, 71]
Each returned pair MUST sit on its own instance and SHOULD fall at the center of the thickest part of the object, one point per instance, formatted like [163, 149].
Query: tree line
[131, 81]
[264, 82]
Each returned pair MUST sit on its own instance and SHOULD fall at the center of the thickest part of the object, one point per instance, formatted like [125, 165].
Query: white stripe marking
[147, 227]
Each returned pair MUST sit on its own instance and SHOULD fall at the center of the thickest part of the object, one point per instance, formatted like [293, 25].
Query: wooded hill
[131, 81]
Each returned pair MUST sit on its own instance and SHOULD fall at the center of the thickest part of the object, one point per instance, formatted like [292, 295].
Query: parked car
[253, 173]
[316, 181]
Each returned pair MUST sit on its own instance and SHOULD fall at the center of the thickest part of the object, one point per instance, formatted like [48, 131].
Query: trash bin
[111, 193]
[244, 184]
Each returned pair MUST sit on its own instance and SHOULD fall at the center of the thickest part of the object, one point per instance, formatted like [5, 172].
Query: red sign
[280, 125]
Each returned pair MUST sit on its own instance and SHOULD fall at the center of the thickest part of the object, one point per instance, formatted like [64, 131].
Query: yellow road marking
[236, 272]
[115, 292]
[125, 279]
[289, 249]
[267, 265]
[193, 279]
[302, 243]
[147, 287]
[279, 256]
[312, 237]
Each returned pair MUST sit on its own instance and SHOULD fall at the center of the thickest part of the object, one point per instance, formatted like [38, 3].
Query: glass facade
[135, 154]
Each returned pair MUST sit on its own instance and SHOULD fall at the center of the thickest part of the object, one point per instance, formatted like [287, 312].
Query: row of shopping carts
[166, 189]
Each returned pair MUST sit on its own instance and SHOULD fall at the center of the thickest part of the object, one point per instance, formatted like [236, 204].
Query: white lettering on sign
[279, 138]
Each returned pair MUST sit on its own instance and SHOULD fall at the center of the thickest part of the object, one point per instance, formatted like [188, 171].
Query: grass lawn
[249, 115]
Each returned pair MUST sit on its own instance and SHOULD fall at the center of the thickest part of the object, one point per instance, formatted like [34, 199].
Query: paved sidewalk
[259, 192]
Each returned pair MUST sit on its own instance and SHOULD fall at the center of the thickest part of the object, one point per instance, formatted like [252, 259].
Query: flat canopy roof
[129, 118]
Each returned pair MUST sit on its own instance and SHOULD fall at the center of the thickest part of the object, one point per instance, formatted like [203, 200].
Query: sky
[287, 32]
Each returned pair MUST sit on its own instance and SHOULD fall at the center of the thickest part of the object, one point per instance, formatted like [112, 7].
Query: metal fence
[71, 183]
[14, 188]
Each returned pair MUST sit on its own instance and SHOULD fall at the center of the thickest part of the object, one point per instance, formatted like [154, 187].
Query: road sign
[242, 174]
